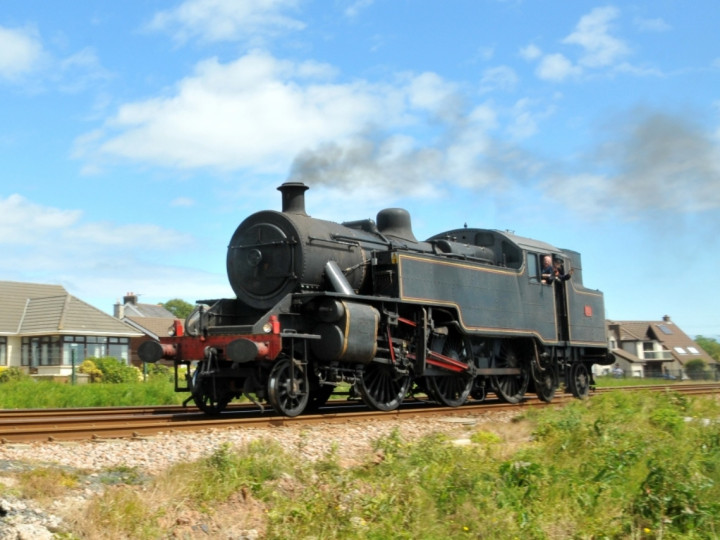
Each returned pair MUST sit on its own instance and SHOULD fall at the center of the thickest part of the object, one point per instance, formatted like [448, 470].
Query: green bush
[115, 371]
[89, 368]
[160, 372]
[695, 368]
[13, 374]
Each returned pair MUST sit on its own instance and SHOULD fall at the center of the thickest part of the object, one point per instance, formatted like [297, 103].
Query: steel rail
[123, 422]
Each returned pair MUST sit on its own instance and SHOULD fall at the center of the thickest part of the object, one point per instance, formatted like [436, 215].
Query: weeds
[45, 483]
[644, 465]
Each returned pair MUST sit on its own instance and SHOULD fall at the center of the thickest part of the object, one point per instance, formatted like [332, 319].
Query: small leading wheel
[510, 388]
[579, 380]
[381, 388]
[211, 395]
[451, 389]
[288, 387]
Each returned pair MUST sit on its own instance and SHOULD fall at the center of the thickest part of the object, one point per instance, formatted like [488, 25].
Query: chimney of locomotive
[293, 197]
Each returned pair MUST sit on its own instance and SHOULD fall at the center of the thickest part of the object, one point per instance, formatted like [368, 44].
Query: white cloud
[95, 260]
[486, 53]
[599, 49]
[255, 113]
[267, 116]
[524, 119]
[502, 78]
[21, 52]
[182, 202]
[652, 25]
[81, 70]
[354, 9]
[556, 67]
[592, 33]
[430, 92]
[226, 20]
[531, 52]
[25, 60]
[26, 223]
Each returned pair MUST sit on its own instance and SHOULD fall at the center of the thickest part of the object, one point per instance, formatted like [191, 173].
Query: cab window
[532, 267]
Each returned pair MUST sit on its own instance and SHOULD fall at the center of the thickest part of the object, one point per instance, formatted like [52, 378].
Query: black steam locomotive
[364, 304]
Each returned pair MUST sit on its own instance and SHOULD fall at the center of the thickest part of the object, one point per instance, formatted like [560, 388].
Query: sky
[136, 136]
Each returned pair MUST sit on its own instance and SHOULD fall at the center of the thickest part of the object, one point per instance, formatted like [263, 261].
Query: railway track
[115, 422]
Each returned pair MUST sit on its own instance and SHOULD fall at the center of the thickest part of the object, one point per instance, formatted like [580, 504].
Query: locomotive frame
[364, 303]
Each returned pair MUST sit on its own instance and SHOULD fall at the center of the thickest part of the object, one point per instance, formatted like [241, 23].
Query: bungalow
[47, 331]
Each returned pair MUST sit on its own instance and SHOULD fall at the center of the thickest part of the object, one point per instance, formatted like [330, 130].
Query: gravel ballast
[349, 443]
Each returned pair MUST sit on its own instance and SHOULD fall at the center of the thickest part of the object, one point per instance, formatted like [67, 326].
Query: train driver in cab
[552, 270]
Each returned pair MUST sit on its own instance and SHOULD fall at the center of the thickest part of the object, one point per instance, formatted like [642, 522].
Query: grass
[620, 465]
[30, 394]
[27, 393]
[612, 382]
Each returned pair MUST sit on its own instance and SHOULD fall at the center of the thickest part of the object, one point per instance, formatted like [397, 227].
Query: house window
[63, 350]
[95, 347]
[680, 350]
[40, 351]
[693, 350]
[119, 348]
[3, 351]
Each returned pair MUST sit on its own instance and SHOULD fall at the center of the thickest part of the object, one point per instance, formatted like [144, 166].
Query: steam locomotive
[365, 305]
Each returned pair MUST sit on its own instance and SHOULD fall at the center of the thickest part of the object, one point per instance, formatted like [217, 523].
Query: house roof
[14, 298]
[633, 330]
[628, 357]
[155, 327]
[39, 309]
[135, 310]
[668, 334]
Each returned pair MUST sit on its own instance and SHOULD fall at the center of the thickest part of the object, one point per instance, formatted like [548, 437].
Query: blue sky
[136, 136]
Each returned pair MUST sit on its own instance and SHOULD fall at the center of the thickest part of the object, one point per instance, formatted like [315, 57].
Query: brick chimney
[130, 298]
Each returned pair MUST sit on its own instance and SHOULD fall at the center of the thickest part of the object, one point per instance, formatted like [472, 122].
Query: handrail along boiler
[365, 303]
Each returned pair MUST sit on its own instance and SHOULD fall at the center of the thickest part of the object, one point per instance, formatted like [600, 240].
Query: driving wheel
[545, 379]
[546, 383]
[510, 388]
[381, 388]
[451, 388]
